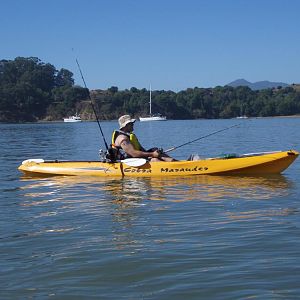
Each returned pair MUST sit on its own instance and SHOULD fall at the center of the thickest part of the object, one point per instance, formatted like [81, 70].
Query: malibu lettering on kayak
[175, 170]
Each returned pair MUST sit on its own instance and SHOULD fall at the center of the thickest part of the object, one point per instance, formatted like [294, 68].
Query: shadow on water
[133, 206]
[143, 228]
[136, 190]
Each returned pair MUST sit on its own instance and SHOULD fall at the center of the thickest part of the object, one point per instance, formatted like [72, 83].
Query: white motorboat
[72, 119]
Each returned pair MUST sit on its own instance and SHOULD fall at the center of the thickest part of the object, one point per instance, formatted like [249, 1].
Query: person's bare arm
[129, 149]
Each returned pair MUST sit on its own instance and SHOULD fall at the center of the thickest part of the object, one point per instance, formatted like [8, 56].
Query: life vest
[132, 138]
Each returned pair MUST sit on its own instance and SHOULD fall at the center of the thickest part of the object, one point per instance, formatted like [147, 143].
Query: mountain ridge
[259, 85]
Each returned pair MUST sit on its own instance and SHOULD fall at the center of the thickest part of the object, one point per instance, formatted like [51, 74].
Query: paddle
[134, 162]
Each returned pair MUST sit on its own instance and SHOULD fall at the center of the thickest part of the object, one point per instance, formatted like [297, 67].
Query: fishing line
[200, 138]
[93, 107]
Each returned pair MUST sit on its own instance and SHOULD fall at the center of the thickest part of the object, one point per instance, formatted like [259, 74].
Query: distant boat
[72, 119]
[242, 113]
[152, 117]
[156, 117]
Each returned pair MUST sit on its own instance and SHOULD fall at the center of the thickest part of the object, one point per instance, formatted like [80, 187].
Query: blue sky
[170, 44]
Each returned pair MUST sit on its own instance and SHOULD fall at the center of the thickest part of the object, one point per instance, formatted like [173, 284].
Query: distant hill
[259, 85]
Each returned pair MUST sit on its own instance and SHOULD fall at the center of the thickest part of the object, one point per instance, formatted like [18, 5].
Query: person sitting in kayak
[127, 144]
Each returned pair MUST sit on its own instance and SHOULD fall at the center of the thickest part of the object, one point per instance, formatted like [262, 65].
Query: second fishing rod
[200, 138]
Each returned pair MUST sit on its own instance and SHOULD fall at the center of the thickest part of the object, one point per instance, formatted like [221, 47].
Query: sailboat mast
[150, 102]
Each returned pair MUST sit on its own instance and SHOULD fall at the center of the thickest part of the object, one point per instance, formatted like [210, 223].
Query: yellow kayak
[246, 164]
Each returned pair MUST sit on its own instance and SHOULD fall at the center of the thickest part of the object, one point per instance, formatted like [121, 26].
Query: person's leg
[163, 158]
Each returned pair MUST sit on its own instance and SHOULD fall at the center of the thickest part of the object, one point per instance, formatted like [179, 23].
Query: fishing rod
[93, 107]
[200, 138]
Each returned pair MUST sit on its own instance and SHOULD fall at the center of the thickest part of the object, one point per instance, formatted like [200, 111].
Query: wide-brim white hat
[124, 120]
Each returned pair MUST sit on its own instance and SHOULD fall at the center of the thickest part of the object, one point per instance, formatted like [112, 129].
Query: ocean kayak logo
[182, 170]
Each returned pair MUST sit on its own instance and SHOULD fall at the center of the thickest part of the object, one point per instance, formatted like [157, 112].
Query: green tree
[64, 78]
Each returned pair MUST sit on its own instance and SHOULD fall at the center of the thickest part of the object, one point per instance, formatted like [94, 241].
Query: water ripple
[205, 237]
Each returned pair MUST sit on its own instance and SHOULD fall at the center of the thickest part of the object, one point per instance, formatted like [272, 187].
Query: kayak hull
[256, 164]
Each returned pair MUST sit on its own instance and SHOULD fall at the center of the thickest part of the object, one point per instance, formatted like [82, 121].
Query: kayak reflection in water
[126, 145]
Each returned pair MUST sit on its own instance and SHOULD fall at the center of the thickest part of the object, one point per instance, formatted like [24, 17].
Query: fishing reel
[160, 150]
[102, 155]
[110, 155]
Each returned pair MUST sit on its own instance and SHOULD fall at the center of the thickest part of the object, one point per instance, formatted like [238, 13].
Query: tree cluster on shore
[31, 90]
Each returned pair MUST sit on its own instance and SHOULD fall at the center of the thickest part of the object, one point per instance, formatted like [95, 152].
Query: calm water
[181, 238]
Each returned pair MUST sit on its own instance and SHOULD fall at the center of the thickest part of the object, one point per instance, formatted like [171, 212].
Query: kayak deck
[247, 164]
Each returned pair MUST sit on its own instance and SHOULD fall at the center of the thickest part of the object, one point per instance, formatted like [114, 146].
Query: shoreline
[84, 121]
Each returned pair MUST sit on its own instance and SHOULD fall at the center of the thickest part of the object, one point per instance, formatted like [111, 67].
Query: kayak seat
[194, 157]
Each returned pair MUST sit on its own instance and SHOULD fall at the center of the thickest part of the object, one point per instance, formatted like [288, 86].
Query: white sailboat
[152, 117]
[242, 114]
